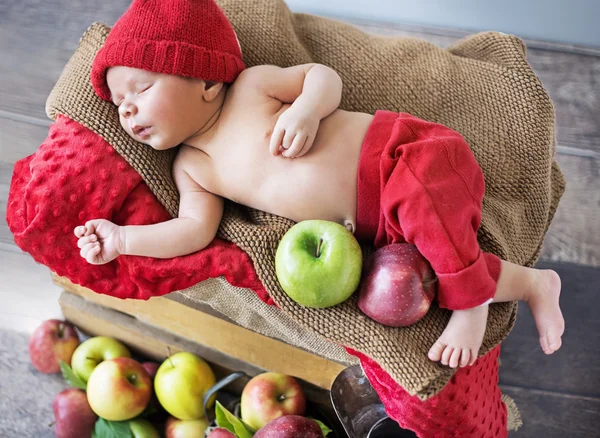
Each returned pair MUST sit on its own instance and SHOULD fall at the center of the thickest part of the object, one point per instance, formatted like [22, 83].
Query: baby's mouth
[140, 131]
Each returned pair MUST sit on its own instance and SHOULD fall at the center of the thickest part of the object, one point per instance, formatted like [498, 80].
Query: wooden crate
[157, 325]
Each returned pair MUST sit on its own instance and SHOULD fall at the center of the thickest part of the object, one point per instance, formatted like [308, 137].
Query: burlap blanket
[482, 87]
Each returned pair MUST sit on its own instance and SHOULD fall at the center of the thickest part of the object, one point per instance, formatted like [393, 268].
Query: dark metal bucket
[359, 408]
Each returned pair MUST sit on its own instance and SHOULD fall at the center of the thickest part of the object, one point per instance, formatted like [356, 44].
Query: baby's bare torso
[236, 164]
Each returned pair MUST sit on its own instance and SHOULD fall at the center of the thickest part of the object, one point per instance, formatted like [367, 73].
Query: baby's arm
[314, 90]
[200, 214]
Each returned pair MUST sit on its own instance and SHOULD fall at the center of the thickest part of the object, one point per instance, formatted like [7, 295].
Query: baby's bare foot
[543, 301]
[460, 342]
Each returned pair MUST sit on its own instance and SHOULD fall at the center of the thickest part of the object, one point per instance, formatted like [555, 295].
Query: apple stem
[169, 356]
[52, 424]
[319, 248]
[61, 330]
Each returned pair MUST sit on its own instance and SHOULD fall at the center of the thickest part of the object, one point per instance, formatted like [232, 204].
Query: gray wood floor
[558, 395]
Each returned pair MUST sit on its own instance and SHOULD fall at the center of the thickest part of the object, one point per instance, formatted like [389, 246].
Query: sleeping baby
[274, 139]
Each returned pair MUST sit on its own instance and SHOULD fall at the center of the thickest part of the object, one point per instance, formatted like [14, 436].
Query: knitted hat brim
[175, 58]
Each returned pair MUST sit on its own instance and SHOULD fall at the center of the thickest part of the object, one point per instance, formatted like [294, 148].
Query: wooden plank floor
[558, 395]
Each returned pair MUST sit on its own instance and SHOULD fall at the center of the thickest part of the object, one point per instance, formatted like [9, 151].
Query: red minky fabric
[76, 176]
[470, 405]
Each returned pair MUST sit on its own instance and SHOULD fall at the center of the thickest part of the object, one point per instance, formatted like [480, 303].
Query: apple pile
[272, 406]
[114, 395]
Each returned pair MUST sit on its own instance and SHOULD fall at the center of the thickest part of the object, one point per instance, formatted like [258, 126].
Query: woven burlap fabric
[242, 306]
[482, 87]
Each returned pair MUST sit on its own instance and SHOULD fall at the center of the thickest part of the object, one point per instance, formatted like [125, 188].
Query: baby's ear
[212, 90]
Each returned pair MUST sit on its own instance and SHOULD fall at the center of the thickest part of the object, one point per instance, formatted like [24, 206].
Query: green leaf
[112, 429]
[232, 423]
[72, 379]
[324, 428]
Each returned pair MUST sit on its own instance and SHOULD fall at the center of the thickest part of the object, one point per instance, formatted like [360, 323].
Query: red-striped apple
[270, 395]
[397, 286]
[119, 389]
[290, 426]
[72, 413]
[52, 342]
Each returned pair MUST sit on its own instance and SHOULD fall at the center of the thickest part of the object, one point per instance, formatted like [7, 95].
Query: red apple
[176, 428]
[290, 426]
[53, 341]
[270, 395]
[73, 415]
[220, 432]
[119, 389]
[151, 368]
[398, 285]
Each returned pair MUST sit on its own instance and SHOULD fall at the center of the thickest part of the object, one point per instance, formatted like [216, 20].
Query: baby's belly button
[350, 225]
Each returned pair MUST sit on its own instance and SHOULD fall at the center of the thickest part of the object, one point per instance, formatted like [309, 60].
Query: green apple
[175, 428]
[119, 389]
[143, 429]
[318, 263]
[180, 384]
[93, 351]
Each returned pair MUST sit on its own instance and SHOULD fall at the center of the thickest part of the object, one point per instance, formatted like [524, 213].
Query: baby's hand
[99, 241]
[294, 133]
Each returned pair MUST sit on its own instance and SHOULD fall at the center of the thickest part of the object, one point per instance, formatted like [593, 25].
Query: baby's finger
[85, 240]
[79, 231]
[288, 139]
[92, 255]
[276, 139]
[307, 145]
[90, 228]
[87, 248]
[296, 147]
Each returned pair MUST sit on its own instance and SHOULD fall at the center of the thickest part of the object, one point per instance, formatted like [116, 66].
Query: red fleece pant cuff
[469, 287]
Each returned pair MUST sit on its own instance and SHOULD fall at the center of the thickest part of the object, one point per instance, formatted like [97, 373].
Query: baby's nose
[127, 109]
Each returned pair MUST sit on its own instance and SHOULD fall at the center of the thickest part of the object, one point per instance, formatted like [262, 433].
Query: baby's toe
[455, 358]
[465, 357]
[446, 355]
[435, 352]
[473, 355]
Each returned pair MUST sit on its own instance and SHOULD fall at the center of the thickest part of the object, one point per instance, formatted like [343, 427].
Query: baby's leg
[460, 342]
[541, 290]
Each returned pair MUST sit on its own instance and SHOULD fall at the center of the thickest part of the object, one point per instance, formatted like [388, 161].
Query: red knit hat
[180, 37]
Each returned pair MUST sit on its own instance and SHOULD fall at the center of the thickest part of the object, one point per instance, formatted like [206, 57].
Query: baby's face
[157, 109]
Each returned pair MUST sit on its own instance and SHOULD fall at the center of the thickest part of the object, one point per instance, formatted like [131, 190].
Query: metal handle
[218, 386]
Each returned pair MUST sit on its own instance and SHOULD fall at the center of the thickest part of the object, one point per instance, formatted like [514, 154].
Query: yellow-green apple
[93, 351]
[119, 389]
[180, 385]
[221, 432]
[318, 263]
[290, 426]
[398, 285]
[52, 342]
[72, 414]
[270, 395]
[175, 428]
[141, 428]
